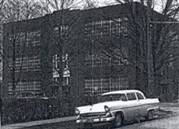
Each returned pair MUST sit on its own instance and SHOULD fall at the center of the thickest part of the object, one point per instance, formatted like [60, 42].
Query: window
[34, 63]
[25, 39]
[121, 55]
[101, 59]
[18, 39]
[63, 30]
[56, 62]
[26, 63]
[26, 85]
[131, 96]
[102, 85]
[33, 39]
[140, 96]
[56, 67]
[113, 97]
[93, 59]
[106, 28]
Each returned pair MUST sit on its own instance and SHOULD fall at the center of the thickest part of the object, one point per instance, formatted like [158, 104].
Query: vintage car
[116, 107]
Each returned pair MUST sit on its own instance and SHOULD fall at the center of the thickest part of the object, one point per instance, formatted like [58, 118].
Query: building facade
[72, 55]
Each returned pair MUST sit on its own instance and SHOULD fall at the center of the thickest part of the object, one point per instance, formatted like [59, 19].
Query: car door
[141, 109]
[131, 107]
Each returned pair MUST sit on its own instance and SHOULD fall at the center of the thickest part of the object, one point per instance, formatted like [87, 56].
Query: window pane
[139, 96]
[131, 96]
[113, 97]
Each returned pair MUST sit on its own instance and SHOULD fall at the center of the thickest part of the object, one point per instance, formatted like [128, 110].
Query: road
[165, 123]
[171, 122]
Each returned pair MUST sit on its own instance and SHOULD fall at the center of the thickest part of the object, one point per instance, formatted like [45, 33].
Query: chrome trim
[102, 119]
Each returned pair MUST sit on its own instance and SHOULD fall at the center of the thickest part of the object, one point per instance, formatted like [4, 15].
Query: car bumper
[95, 120]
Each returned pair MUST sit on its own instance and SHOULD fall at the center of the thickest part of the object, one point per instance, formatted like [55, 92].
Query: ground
[164, 123]
[169, 122]
[168, 118]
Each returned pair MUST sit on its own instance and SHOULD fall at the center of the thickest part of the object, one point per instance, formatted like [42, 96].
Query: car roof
[121, 92]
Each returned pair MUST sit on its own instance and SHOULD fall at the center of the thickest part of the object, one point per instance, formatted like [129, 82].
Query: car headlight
[77, 112]
[106, 108]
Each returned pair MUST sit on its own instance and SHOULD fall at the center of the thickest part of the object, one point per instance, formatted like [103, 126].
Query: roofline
[122, 91]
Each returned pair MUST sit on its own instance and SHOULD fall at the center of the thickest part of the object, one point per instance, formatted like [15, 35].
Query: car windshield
[113, 97]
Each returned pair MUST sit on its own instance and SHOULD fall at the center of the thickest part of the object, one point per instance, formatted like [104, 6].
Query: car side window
[123, 97]
[131, 96]
[140, 96]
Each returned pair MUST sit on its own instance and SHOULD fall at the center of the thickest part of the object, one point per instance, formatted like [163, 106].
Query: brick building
[72, 54]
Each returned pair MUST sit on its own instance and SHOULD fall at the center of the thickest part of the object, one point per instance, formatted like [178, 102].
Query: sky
[158, 4]
[99, 3]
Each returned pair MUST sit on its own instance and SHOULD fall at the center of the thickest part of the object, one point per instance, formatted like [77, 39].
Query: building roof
[121, 92]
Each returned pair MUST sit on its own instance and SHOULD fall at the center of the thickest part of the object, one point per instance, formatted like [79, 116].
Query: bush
[29, 109]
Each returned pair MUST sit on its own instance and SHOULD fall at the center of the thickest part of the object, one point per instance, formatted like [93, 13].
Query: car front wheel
[118, 121]
[150, 115]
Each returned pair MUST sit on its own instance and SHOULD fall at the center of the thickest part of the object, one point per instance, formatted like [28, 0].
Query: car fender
[118, 111]
[155, 108]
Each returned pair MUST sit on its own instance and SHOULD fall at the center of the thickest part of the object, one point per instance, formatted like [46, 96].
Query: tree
[15, 10]
[164, 47]
[54, 5]
[152, 44]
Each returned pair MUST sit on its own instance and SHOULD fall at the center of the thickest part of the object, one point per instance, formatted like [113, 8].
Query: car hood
[99, 107]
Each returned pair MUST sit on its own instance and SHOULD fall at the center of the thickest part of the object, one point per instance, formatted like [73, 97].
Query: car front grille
[93, 115]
